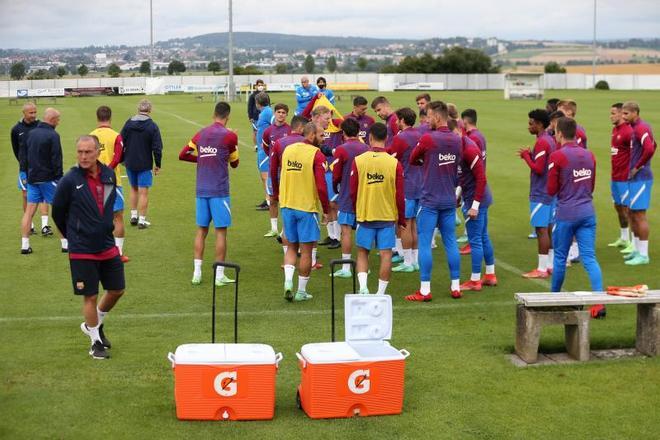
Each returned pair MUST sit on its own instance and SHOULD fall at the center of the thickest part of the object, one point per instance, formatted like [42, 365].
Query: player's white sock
[285, 248]
[331, 230]
[399, 247]
[273, 224]
[362, 280]
[302, 284]
[134, 213]
[289, 269]
[25, 242]
[551, 258]
[574, 251]
[119, 242]
[425, 287]
[100, 315]
[219, 272]
[197, 265]
[635, 242]
[625, 234]
[65, 243]
[407, 257]
[415, 258]
[31, 225]
[142, 219]
[93, 332]
[543, 263]
[44, 221]
[455, 285]
[337, 230]
[475, 276]
[643, 247]
[490, 269]
[382, 287]
[314, 250]
[346, 266]
[267, 200]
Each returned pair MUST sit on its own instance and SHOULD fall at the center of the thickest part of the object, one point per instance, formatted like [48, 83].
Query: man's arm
[476, 164]
[157, 147]
[648, 147]
[337, 167]
[593, 178]
[118, 152]
[538, 164]
[354, 184]
[56, 155]
[400, 195]
[307, 112]
[274, 169]
[397, 148]
[15, 142]
[265, 140]
[556, 160]
[232, 147]
[189, 151]
[417, 155]
[319, 177]
[61, 202]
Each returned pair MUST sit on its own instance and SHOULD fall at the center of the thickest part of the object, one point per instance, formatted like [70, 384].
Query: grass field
[459, 382]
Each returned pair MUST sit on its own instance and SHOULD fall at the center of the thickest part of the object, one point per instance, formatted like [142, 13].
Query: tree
[40, 74]
[362, 64]
[61, 71]
[17, 71]
[461, 60]
[553, 67]
[214, 67]
[145, 67]
[114, 70]
[280, 68]
[247, 70]
[332, 64]
[309, 64]
[175, 66]
[83, 70]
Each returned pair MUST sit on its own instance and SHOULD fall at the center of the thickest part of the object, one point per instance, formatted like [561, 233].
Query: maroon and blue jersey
[401, 148]
[620, 149]
[643, 148]
[215, 148]
[478, 138]
[537, 160]
[439, 153]
[273, 133]
[341, 172]
[365, 122]
[392, 123]
[330, 142]
[472, 175]
[581, 136]
[424, 128]
[572, 177]
[276, 154]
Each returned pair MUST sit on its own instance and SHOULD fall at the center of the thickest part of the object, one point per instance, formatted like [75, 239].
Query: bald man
[44, 169]
[19, 134]
[305, 91]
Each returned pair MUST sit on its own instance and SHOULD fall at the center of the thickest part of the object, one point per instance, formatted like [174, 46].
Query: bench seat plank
[545, 299]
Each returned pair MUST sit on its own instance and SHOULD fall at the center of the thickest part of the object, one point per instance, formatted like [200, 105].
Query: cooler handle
[278, 359]
[334, 263]
[170, 356]
[237, 269]
[404, 352]
[301, 359]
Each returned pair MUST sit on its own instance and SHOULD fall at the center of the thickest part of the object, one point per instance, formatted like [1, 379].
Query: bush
[602, 85]
[553, 67]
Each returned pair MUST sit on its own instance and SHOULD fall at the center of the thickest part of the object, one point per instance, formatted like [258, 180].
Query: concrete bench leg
[648, 329]
[528, 335]
[577, 337]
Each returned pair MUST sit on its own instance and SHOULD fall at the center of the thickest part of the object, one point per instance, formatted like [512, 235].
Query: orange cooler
[363, 375]
[225, 381]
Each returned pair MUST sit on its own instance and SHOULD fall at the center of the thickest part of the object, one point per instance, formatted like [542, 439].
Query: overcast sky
[76, 23]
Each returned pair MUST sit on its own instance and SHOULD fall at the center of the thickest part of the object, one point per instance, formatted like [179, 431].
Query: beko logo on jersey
[446, 159]
[582, 174]
[208, 150]
[293, 165]
[375, 178]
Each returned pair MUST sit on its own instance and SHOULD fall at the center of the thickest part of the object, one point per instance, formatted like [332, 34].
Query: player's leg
[384, 239]
[406, 239]
[539, 218]
[562, 238]
[639, 203]
[145, 181]
[620, 194]
[304, 271]
[221, 214]
[118, 222]
[133, 195]
[346, 220]
[415, 242]
[475, 229]
[26, 221]
[272, 210]
[362, 268]
[203, 219]
[290, 224]
[447, 226]
[585, 235]
[85, 279]
[113, 281]
[427, 219]
[489, 253]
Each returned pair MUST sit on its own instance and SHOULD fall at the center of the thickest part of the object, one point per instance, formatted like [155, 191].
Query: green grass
[459, 383]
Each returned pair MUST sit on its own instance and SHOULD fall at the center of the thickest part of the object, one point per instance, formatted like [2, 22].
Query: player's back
[576, 182]
[107, 138]
[412, 174]
[215, 147]
[620, 150]
[642, 133]
[470, 154]
[351, 149]
[480, 141]
[440, 169]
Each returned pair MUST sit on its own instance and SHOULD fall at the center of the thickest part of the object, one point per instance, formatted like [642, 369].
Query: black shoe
[32, 231]
[46, 231]
[26, 251]
[98, 351]
[279, 239]
[143, 226]
[134, 221]
[325, 242]
[105, 341]
[65, 251]
[263, 206]
[336, 244]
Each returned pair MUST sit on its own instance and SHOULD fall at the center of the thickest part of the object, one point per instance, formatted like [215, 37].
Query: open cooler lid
[220, 354]
[329, 352]
[368, 317]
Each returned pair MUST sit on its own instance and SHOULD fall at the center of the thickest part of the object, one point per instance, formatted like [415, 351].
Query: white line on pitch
[514, 270]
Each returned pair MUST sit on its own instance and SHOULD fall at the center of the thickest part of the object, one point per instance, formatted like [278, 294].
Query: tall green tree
[61, 71]
[17, 71]
[309, 64]
[553, 67]
[362, 64]
[280, 68]
[83, 70]
[175, 67]
[332, 64]
[145, 67]
[214, 67]
[114, 70]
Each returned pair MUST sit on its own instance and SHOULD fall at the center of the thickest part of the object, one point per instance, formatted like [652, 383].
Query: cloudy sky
[75, 23]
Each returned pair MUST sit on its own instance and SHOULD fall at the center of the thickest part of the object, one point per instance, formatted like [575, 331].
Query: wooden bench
[535, 310]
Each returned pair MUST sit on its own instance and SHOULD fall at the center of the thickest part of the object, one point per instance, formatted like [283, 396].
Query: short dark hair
[438, 107]
[259, 81]
[350, 127]
[618, 105]
[222, 110]
[556, 115]
[452, 124]
[104, 113]
[552, 104]
[378, 132]
[540, 115]
[320, 78]
[425, 96]
[379, 100]
[297, 122]
[407, 115]
[262, 99]
[470, 114]
[281, 106]
[359, 100]
[567, 127]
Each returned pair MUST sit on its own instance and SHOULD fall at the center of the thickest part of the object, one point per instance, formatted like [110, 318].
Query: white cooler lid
[368, 317]
[329, 352]
[210, 354]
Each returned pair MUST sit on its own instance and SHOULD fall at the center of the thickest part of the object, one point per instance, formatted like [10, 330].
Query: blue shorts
[301, 226]
[347, 218]
[412, 207]
[41, 192]
[141, 179]
[540, 214]
[640, 194]
[269, 186]
[620, 193]
[332, 195]
[119, 200]
[378, 238]
[217, 209]
[263, 161]
[22, 180]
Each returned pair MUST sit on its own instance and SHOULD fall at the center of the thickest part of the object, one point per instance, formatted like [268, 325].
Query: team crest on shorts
[80, 285]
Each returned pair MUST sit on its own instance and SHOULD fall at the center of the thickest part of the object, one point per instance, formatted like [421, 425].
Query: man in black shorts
[83, 212]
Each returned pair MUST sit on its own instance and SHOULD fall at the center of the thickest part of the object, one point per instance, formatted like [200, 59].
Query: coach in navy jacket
[44, 151]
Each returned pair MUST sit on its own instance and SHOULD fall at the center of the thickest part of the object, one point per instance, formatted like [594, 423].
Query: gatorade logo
[363, 133]
[225, 384]
[293, 165]
[446, 159]
[208, 151]
[359, 382]
[375, 178]
[583, 174]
